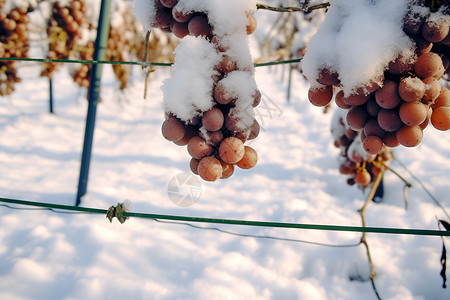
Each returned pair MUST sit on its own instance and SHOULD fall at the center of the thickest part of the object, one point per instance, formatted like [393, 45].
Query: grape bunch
[214, 134]
[13, 43]
[394, 108]
[361, 167]
[64, 31]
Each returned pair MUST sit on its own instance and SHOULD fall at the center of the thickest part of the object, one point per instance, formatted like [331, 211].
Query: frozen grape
[390, 139]
[320, 96]
[180, 30]
[428, 65]
[409, 136]
[362, 177]
[227, 170]
[198, 147]
[413, 113]
[213, 119]
[328, 77]
[372, 144]
[443, 99]
[172, 129]
[432, 88]
[387, 97]
[371, 127]
[193, 165]
[249, 159]
[199, 26]
[389, 119]
[435, 30]
[357, 117]
[440, 118]
[339, 100]
[411, 89]
[210, 168]
[231, 150]
[356, 99]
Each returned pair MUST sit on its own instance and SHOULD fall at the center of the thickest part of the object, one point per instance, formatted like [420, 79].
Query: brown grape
[411, 89]
[413, 113]
[172, 129]
[320, 96]
[210, 168]
[387, 97]
[231, 150]
[373, 144]
[199, 26]
[428, 65]
[356, 99]
[390, 139]
[440, 118]
[339, 100]
[409, 136]
[371, 127]
[198, 147]
[213, 119]
[389, 119]
[227, 170]
[193, 165]
[220, 94]
[180, 30]
[357, 117]
[249, 159]
[435, 30]
[372, 107]
[432, 88]
[328, 77]
[443, 99]
[362, 177]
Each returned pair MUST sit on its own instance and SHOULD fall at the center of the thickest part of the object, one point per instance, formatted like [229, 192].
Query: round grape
[320, 96]
[213, 119]
[231, 150]
[409, 136]
[413, 113]
[356, 117]
[249, 159]
[428, 64]
[172, 129]
[199, 26]
[389, 119]
[411, 89]
[198, 147]
[440, 118]
[210, 168]
[387, 97]
[372, 144]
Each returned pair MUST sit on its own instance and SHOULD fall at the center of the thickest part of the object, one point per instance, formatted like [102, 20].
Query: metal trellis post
[50, 90]
[93, 93]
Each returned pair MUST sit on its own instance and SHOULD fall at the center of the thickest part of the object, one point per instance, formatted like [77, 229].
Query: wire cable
[407, 231]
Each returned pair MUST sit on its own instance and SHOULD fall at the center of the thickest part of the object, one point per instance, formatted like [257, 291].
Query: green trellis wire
[407, 231]
[140, 63]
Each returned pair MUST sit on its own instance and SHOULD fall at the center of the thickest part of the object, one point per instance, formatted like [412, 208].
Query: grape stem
[292, 9]
[361, 211]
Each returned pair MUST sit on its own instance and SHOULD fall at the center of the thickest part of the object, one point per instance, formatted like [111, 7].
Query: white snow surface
[48, 255]
[195, 59]
[357, 39]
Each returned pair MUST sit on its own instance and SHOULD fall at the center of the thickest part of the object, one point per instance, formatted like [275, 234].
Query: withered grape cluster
[395, 109]
[64, 32]
[13, 43]
[214, 138]
[361, 167]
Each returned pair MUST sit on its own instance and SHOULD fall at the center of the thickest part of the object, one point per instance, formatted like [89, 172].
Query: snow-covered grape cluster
[361, 167]
[387, 81]
[209, 99]
[13, 41]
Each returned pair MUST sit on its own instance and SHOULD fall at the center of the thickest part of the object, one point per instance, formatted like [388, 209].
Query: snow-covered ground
[48, 255]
